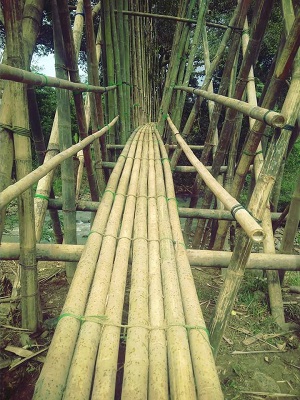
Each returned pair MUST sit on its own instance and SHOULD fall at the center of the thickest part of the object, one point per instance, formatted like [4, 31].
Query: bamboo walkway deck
[136, 246]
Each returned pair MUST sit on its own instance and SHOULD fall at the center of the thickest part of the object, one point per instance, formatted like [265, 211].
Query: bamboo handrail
[170, 18]
[197, 258]
[247, 222]
[12, 191]
[270, 117]
[20, 75]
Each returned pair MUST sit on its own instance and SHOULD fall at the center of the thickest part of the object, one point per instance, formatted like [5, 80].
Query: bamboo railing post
[65, 141]
[30, 305]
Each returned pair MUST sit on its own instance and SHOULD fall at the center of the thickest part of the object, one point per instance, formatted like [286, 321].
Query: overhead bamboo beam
[20, 75]
[171, 18]
[197, 258]
[247, 222]
[270, 117]
[17, 188]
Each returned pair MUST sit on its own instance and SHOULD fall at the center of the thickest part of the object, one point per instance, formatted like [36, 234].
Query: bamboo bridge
[132, 294]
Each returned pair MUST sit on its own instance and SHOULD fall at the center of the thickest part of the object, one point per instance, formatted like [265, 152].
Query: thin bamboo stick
[19, 75]
[251, 227]
[53, 377]
[197, 258]
[14, 190]
[206, 376]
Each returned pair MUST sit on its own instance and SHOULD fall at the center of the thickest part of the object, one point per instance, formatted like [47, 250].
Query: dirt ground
[268, 360]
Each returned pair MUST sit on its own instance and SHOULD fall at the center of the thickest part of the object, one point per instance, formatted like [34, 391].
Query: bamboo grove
[135, 116]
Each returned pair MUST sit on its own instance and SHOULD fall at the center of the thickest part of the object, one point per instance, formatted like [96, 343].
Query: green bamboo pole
[197, 258]
[243, 4]
[205, 373]
[78, 385]
[65, 141]
[282, 68]
[23, 184]
[22, 148]
[107, 358]
[52, 380]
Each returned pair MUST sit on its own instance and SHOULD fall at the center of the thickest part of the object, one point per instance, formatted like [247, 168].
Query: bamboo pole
[248, 223]
[17, 188]
[183, 212]
[107, 358]
[179, 359]
[19, 75]
[30, 305]
[135, 379]
[270, 117]
[78, 385]
[197, 258]
[53, 377]
[65, 140]
[171, 146]
[206, 376]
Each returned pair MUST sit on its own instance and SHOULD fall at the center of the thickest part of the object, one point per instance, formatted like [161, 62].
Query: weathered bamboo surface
[135, 248]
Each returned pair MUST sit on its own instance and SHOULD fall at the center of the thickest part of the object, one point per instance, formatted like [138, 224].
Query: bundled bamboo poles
[248, 223]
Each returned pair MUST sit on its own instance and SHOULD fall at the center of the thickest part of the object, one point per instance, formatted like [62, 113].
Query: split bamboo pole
[179, 359]
[65, 140]
[247, 222]
[205, 373]
[17, 188]
[52, 380]
[19, 75]
[270, 117]
[135, 379]
[282, 68]
[79, 385]
[107, 358]
[30, 305]
[197, 258]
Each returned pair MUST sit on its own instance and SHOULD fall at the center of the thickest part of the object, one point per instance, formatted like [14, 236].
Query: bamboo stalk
[135, 379]
[14, 190]
[197, 258]
[78, 385]
[53, 377]
[251, 227]
[272, 118]
[180, 368]
[206, 376]
[106, 364]
[19, 75]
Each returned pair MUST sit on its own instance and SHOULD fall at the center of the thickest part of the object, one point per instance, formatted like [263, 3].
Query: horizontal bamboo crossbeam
[270, 117]
[247, 222]
[179, 168]
[170, 146]
[197, 258]
[19, 75]
[13, 191]
[171, 18]
[82, 205]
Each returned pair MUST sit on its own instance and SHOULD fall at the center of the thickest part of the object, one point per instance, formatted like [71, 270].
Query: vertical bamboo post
[65, 141]
[22, 145]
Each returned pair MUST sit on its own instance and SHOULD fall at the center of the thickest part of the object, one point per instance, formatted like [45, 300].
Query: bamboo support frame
[247, 222]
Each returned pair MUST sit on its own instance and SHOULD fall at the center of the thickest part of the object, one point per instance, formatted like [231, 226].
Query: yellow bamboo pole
[19, 187]
[247, 222]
